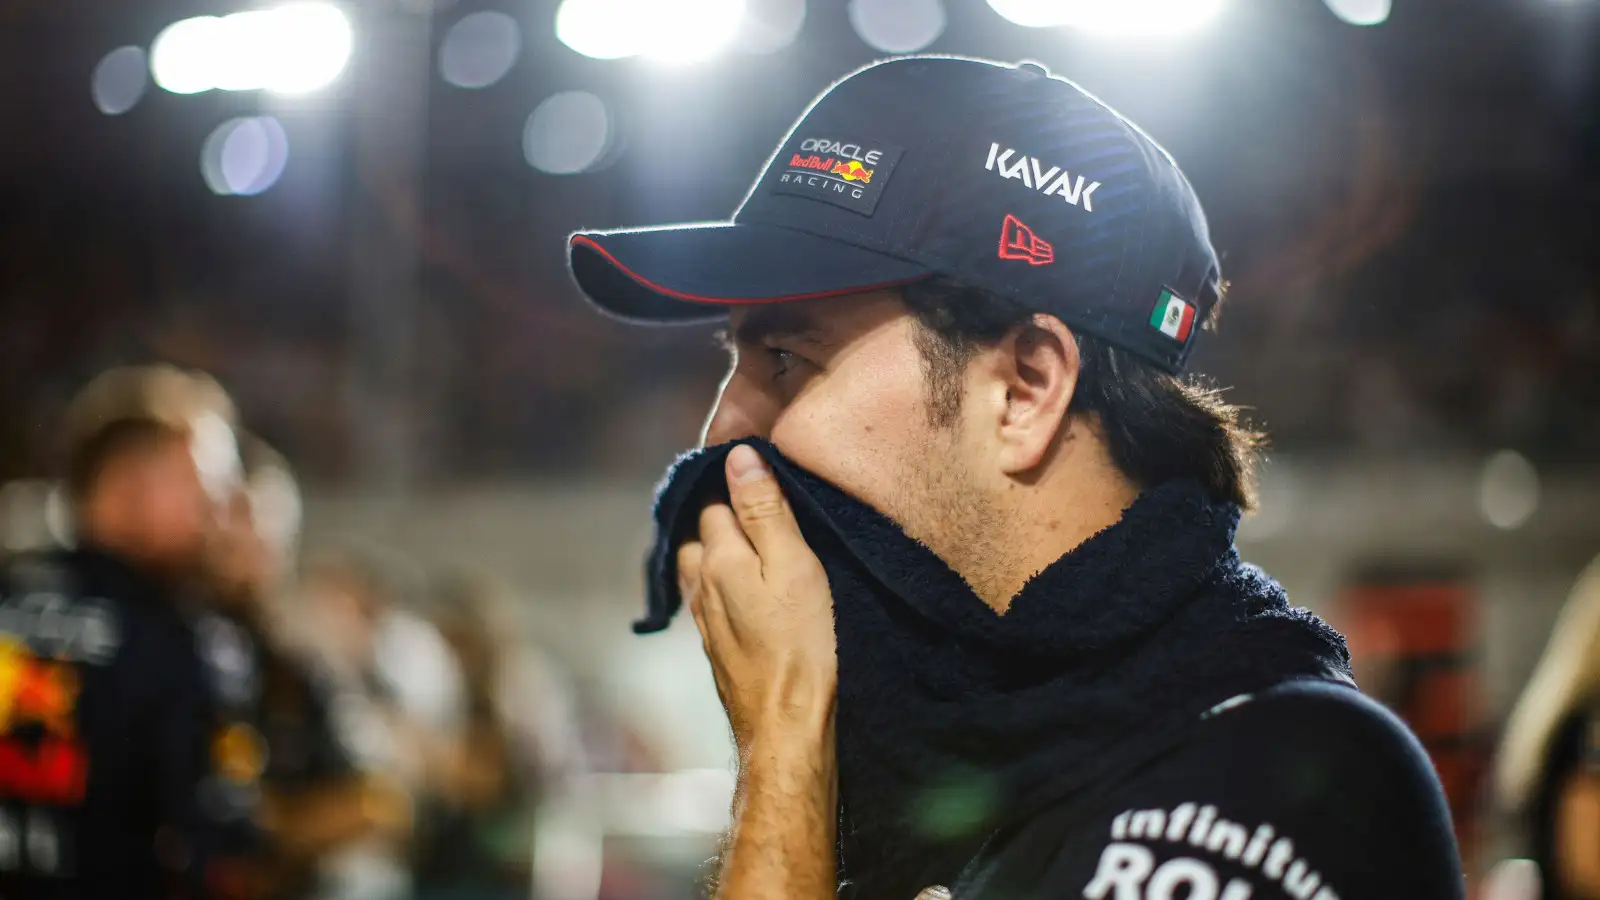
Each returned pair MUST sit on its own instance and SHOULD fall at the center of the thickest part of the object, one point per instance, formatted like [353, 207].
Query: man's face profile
[838, 385]
[164, 484]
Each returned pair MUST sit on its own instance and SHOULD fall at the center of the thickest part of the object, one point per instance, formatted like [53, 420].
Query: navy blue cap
[1000, 177]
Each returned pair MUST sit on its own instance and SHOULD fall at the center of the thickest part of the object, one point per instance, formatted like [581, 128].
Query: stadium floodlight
[1361, 12]
[667, 30]
[598, 29]
[182, 56]
[691, 30]
[311, 44]
[1112, 18]
[1031, 13]
[292, 49]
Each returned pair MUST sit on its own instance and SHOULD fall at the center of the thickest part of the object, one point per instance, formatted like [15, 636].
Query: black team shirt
[106, 737]
[1309, 791]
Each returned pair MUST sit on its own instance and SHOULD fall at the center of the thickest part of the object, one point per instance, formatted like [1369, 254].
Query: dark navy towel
[952, 719]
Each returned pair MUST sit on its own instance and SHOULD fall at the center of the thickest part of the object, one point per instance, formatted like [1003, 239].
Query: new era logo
[1017, 241]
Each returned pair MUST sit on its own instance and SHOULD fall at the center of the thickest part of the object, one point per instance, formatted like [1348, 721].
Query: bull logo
[853, 171]
[33, 690]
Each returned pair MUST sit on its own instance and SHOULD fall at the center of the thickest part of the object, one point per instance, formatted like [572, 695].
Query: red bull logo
[47, 767]
[36, 690]
[853, 171]
[820, 163]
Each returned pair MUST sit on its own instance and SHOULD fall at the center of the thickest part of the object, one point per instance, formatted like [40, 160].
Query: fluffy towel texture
[953, 720]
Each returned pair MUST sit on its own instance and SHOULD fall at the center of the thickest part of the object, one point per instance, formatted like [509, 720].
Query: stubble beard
[939, 503]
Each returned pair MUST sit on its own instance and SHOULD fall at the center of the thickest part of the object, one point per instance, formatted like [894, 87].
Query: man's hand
[761, 600]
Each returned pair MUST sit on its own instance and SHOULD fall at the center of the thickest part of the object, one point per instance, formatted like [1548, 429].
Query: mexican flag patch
[1173, 316]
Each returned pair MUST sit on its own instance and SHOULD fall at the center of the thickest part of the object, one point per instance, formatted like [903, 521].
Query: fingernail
[745, 464]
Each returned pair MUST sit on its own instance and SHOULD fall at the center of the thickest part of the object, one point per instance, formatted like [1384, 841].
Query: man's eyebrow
[782, 321]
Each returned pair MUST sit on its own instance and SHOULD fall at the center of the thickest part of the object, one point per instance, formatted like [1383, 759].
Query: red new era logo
[1017, 241]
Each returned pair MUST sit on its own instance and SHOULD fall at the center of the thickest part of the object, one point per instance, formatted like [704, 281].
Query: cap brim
[684, 274]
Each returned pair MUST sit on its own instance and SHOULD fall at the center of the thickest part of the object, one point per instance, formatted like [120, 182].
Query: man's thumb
[757, 499]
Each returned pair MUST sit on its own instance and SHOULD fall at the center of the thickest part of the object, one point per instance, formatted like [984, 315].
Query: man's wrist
[790, 761]
[790, 757]
[790, 728]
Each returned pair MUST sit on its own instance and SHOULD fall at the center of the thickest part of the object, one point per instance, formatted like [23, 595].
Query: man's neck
[1040, 523]
[129, 549]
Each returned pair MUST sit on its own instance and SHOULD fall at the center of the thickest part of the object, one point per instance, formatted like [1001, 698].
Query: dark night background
[1409, 214]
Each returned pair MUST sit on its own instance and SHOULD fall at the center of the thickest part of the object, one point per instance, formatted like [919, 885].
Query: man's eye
[783, 361]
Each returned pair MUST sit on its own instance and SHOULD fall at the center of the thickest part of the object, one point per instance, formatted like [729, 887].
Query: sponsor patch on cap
[1173, 316]
[842, 171]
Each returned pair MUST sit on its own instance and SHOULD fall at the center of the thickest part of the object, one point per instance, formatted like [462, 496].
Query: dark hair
[1157, 426]
[87, 460]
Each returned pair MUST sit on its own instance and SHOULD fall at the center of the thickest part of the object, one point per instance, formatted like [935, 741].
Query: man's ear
[1039, 364]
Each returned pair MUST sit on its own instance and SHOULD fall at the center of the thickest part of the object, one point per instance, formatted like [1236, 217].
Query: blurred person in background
[1547, 776]
[961, 549]
[518, 745]
[314, 798]
[107, 723]
[399, 701]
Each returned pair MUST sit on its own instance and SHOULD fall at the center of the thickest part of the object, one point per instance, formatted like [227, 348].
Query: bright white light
[671, 30]
[182, 58]
[241, 61]
[1508, 490]
[897, 26]
[770, 25]
[1112, 18]
[291, 49]
[480, 49]
[689, 30]
[244, 156]
[119, 81]
[567, 133]
[599, 29]
[1031, 13]
[1361, 12]
[312, 43]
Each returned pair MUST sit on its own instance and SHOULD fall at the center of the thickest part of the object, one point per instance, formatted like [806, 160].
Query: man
[278, 730]
[398, 699]
[961, 552]
[106, 736]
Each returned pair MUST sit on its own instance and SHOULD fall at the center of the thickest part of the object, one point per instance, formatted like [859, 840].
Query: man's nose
[739, 412]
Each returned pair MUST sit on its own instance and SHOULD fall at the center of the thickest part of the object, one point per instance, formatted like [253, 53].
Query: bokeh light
[291, 49]
[313, 41]
[668, 30]
[119, 81]
[690, 30]
[596, 29]
[480, 49]
[770, 25]
[244, 156]
[1508, 490]
[1361, 12]
[568, 133]
[1031, 13]
[897, 26]
[1112, 18]
[182, 58]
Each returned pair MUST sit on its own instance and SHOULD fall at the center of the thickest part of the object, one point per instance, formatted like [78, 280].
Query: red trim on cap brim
[665, 291]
